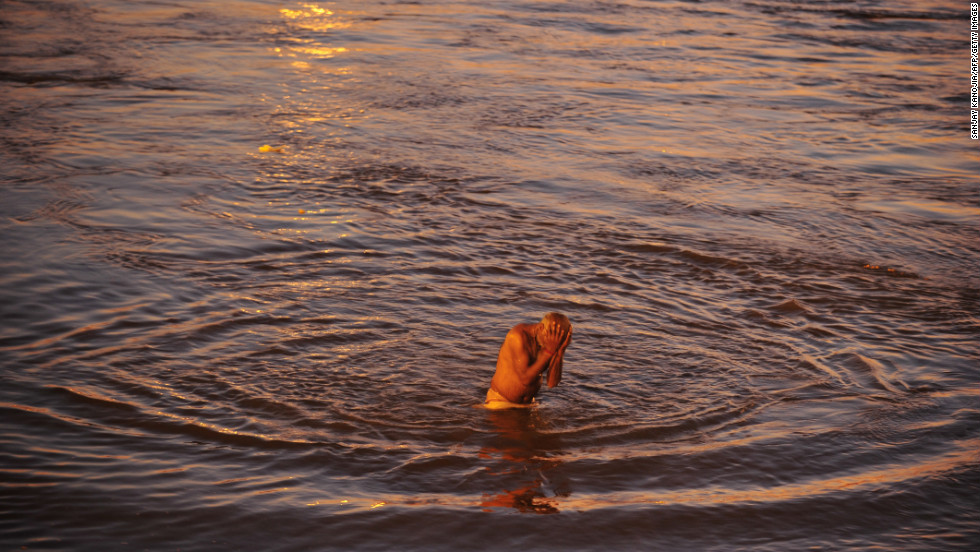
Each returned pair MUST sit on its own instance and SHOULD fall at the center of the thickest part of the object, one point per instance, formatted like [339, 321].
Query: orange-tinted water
[761, 218]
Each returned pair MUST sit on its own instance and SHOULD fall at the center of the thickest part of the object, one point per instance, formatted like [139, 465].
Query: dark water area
[761, 217]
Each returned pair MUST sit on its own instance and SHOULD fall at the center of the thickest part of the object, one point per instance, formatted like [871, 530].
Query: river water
[761, 217]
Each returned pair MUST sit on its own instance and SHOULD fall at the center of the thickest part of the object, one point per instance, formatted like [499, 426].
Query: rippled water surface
[761, 217]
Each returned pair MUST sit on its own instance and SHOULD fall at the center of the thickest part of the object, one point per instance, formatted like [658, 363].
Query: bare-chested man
[529, 350]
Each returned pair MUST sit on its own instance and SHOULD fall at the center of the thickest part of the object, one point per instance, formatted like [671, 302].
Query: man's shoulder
[518, 332]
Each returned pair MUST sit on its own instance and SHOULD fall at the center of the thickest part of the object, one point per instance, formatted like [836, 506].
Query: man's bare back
[529, 350]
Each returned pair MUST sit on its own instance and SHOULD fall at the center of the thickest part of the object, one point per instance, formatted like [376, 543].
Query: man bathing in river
[529, 350]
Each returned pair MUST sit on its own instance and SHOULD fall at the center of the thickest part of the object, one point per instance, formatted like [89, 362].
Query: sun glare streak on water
[258, 258]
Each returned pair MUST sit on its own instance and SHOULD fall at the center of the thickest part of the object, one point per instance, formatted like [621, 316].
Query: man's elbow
[528, 379]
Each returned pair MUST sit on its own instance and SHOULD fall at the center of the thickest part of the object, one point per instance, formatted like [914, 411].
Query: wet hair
[558, 318]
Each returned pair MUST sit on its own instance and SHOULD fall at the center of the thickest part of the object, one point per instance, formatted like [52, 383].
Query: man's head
[559, 319]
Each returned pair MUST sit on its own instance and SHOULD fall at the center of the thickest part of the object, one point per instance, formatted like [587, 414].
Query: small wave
[860, 13]
[888, 271]
[94, 409]
[94, 398]
[709, 259]
[651, 247]
[812, 363]
[850, 369]
[882, 376]
[235, 321]
[64, 77]
[759, 316]
[791, 307]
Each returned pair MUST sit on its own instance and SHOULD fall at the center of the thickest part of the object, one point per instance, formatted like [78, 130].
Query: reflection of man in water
[529, 350]
[524, 463]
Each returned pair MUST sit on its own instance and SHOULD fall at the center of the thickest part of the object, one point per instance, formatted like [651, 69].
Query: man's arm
[519, 360]
[555, 364]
